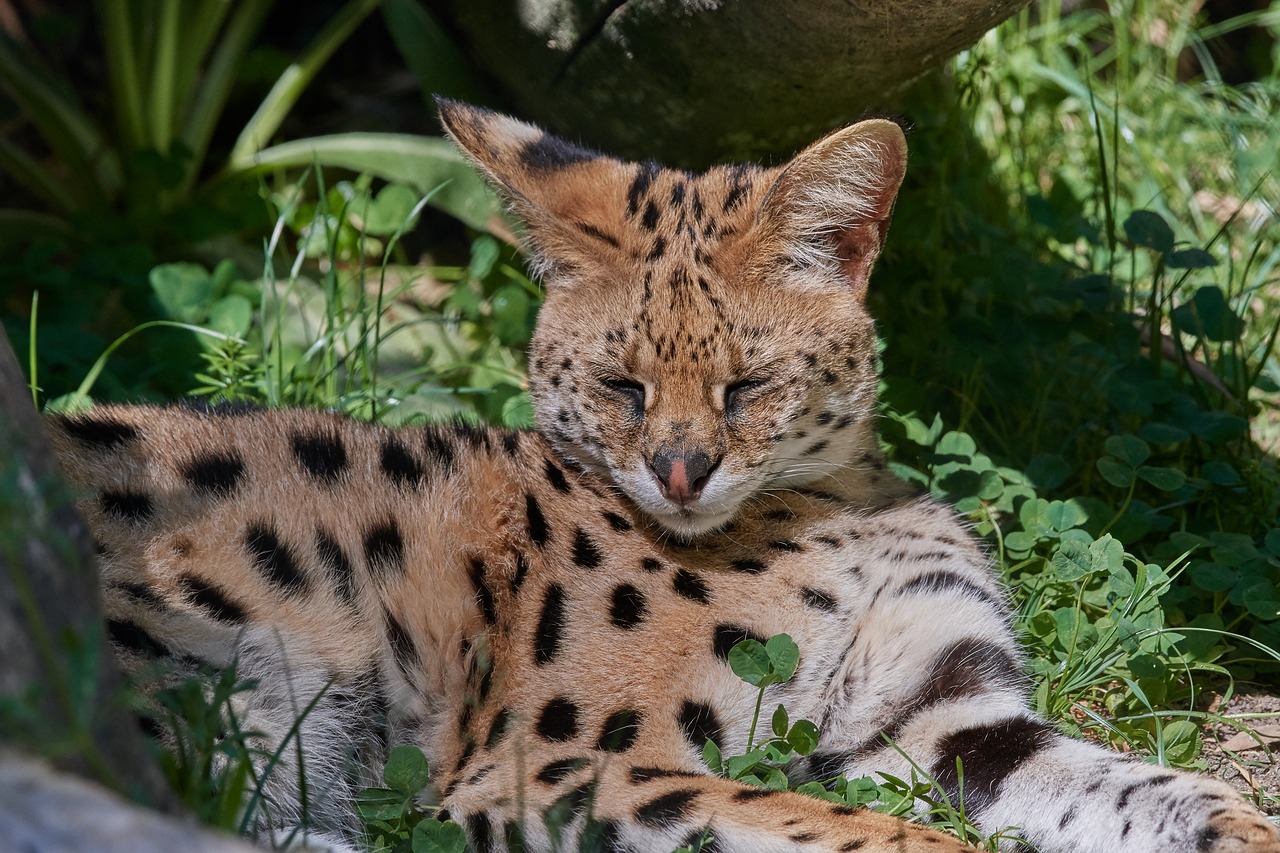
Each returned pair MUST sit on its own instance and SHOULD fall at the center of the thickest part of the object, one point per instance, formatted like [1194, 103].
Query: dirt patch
[1251, 767]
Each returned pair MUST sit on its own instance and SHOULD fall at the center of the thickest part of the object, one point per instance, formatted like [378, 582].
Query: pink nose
[682, 474]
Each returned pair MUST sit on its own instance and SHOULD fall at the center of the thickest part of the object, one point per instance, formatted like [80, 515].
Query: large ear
[830, 207]
[571, 199]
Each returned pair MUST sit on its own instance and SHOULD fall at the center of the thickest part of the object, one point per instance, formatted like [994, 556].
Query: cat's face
[704, 337]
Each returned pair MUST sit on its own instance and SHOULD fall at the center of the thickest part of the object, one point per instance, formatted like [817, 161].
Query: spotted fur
[548, 614]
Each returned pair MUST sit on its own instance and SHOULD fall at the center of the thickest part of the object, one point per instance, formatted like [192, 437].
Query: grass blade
[284, 94]
[122, 68]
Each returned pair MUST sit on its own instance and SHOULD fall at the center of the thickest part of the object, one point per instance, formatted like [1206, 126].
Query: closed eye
[738, 392]
[632, 391]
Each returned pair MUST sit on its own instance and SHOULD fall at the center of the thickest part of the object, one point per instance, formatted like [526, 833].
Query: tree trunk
[694, 82]
[60, 692]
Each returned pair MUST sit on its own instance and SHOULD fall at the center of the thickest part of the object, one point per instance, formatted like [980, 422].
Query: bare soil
[1250, 763]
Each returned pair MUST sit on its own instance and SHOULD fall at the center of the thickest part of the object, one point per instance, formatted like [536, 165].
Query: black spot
[816, 448]
[651, 564]
[336, 564]
[558, 720]
[133, 507]
[1067, 816]
[728, 636]
[843, 811]
[479, 833]
[1207, 838]
[829, 764]
[484, 595]
[843, 422]
[403, 648]
[988, 754]
[135, 639]
[585, 551]
[273, 559]
[691, 586]
[548, 153]
[830, 377]
[521, 572]
[211, 599]
[511, 443]
[824, 418]
[620, 730]
[617, 522]
[139, 592]
[668, 809]
[555, 772]
[818, 599]
[945, 581]
[651, 215]
[538, 531]
[1128, 790]
[399, 465]
[546, 641]
[658, 250]
[699, 723]
[640, 775]
[627, 607]
[748, 566]
[100, 433]
[384, 550]
[802, 837]
[735, 195]
[556, 478]
[592, 231]
[215, 474]
[858, 844]
[645, 174]
[784, 545]
[322, 456]
[439, 450]
[498, 728]
[748, 794]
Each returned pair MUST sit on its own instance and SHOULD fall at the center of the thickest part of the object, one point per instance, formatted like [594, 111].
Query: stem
[755, 718]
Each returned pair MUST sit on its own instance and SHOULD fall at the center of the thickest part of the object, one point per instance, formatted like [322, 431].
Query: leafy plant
[762, 665]
[394, 822]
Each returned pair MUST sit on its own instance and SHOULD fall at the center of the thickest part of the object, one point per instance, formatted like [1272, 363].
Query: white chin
[690, 523]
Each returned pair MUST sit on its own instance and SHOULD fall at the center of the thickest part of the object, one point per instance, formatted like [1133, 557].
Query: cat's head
[704, 337]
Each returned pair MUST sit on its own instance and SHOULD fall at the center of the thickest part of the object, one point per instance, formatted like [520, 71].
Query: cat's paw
[1237, 828]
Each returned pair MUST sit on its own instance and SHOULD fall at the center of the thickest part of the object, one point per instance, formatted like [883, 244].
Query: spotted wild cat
[548, 614]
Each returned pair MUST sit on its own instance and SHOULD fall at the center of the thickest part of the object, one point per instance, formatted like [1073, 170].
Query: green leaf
[517, 411]
[784, 655]
[1262, 600]
[1048, 470]
[436, 62]
[1208, 315]
[432, 836]
[1064, 515]
[1020, 542]
[1180, 741]
[1106, 555]
[1190, 259]
[919, 433]
[1232, 549]
[389, 211]
[1213, 577]
[1128, 448]
[1165, 479]
[512, 319]
[1220, 473]
[750, 661]
[803, 737]
[183, 290]
[1158, 433]
[1115, 472]
[1148, 228]
[231, 315]
[738, 765]
[431, 165]
[1272, 542]
[780, 721]
[1146, 666]
[406, 770]
[712, 758]
[956, 444]
[1071, 562]
[380, 804]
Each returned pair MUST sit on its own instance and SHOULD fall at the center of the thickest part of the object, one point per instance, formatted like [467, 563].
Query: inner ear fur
[571, 199]
[831, 206]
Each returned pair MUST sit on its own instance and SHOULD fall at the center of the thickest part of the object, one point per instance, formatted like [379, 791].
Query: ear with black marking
[830, 208]
[571, 199]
